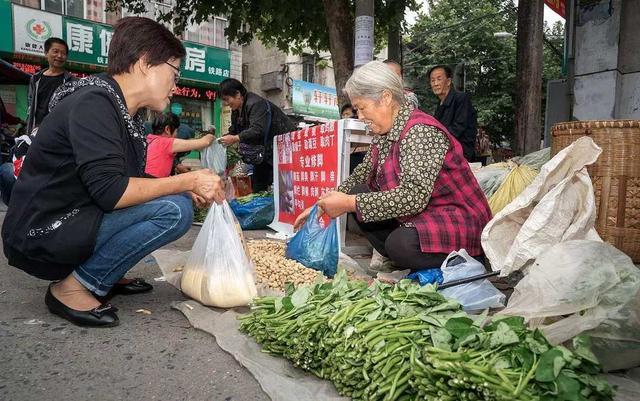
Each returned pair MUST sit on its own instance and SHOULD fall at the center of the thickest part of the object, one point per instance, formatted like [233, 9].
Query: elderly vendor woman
[414, 195]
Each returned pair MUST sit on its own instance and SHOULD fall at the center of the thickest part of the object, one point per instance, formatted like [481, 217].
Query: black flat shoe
[102, 316]
[136, 286]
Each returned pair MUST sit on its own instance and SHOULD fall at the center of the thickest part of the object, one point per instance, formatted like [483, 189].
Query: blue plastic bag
[315, 246]
[427, 276]
[256, 214]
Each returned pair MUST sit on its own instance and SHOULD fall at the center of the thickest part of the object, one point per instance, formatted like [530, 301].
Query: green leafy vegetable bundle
[407, 342]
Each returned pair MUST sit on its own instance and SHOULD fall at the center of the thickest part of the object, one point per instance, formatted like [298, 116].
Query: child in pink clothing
[163, 145]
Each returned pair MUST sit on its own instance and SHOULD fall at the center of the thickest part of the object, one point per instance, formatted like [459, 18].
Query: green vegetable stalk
[407, 342]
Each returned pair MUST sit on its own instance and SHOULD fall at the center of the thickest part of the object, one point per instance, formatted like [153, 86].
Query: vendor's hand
[209, 139]
[301, 219]
[198, 200]
[181, 169]
[229, 139]
[336, 203]
[208, 185]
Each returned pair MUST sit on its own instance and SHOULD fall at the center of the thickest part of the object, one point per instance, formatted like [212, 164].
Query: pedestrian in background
[45, 82]
[254, 123]
[163, 145]
[455, 110]
[409, 95]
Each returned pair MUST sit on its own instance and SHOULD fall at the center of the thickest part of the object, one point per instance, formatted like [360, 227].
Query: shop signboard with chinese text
[88, 41]
[195, 93]
[306, 166]
[31, 28]
[89, 44]
[205, 63]
[311, 99]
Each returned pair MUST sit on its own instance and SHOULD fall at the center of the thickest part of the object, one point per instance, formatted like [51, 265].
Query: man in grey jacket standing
[46, 81]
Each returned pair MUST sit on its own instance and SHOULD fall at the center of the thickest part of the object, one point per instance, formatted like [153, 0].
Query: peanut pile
[273, 269]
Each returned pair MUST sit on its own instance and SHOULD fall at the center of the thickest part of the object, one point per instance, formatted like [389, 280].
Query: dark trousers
[262, 177]
[399, 243]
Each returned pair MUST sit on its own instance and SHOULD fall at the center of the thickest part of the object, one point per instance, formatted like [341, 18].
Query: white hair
[371, 79]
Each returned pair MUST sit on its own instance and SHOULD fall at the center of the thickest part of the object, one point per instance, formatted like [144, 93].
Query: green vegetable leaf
[503, 335]
[481, 319]
[536, 342]
[289, 288]
[550, 364]
[568, 388]
[434, 319]
[502, 363]
[523, 356]
[287, 305]
[374, 315]
[582, 348]
[440, 338]
[516, 323]
[278, 304]
[460, 326]
[300, 296]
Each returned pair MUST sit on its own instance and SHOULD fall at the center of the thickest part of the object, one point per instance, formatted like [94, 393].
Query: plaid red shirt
[457, 210]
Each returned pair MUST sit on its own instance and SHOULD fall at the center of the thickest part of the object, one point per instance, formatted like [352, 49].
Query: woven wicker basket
[615, 176]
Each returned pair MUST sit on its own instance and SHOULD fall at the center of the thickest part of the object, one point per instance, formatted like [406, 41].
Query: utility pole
[394, 36]
[529, 75]
[363, 49]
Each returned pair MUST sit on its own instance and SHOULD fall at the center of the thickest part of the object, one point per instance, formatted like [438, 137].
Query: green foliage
[289, 25]
[462, 31]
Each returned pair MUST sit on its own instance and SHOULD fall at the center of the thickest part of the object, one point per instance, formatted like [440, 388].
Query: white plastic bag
[476, 295]
[559, 205]
[214, 157]
[218, 271]
[584, 286]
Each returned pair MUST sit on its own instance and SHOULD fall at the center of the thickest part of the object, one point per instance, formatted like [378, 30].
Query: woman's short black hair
[49, 42]
[230, 86]
[137, 37]
[163, 120]
[346, 106]
[447, 70]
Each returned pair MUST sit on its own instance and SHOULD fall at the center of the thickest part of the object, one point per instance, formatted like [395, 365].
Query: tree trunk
[340, 25]
[529, 75]
[394, 35]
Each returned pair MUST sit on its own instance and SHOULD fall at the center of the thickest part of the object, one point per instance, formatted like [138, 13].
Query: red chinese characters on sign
[33, 68]
[28, 68]
[185, 91]
[557, 6]
[307, 168]
[195, 93]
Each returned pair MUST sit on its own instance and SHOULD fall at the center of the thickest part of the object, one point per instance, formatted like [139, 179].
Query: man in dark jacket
[254, 123]
[455, 110]
[46, 81]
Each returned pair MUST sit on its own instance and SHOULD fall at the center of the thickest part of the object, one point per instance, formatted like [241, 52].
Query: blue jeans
[127, 235]
[7, 179]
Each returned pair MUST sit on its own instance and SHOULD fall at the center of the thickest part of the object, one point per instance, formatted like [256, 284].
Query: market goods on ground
[274, 270]
[406, 342]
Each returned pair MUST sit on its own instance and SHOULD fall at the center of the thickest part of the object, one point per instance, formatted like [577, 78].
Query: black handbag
[252, 153]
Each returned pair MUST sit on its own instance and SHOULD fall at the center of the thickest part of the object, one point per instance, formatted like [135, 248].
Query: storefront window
[210, 33]
[194, 113]
[308, 67]
[95, 10]
[55, 6]
[220, 39]
[75, 8]
[28, 3]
